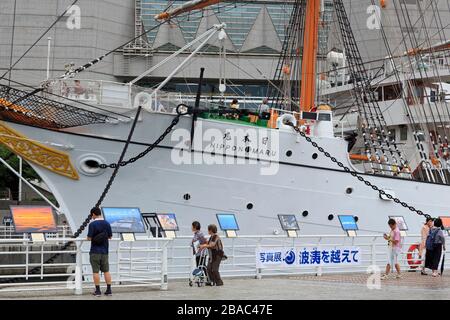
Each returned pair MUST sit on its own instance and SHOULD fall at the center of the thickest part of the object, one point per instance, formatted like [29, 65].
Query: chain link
[147, 151]
[181, 110]
[358, 176]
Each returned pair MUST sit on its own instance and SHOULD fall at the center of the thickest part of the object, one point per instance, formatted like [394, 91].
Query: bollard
[79, 271]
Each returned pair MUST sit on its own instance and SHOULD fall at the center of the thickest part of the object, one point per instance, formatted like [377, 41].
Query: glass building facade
[240, 17]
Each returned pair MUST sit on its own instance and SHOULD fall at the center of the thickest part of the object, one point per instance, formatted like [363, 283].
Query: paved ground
[331, 287]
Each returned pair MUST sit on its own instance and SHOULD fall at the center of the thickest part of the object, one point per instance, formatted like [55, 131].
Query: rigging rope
[357, 175]
[39, 39]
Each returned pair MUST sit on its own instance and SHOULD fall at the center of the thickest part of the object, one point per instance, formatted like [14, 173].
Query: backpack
[100, 238]
[431, 239]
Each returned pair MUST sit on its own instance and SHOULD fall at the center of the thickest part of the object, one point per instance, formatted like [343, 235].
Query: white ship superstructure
[254, 169]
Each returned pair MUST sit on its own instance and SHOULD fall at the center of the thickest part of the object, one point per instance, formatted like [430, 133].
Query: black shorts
[99, 262]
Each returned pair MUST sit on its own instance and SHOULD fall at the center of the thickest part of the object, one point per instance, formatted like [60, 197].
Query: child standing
[394, 239]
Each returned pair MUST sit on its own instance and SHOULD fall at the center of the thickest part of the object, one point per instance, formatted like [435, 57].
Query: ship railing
[23, 266]
[107, 94]
[124, 97]
[438, 62]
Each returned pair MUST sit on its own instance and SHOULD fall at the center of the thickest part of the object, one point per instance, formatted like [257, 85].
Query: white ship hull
[156, 184]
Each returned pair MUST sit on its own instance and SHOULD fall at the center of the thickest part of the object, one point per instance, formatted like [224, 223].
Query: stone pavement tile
[328, 287]
[409, 279]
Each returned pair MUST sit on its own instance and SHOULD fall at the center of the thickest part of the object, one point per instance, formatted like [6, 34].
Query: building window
[403, 133]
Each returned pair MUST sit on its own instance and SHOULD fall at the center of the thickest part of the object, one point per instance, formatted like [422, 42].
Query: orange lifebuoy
[413, 264]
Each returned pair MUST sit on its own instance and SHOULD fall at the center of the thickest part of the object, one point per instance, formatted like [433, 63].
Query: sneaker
[209, 284]
[108, 293]
[423, 273]
[384, 277]
[398, 276]
[97, 293]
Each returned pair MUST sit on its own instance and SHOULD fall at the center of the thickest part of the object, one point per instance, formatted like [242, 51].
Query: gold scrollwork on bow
[37, 153]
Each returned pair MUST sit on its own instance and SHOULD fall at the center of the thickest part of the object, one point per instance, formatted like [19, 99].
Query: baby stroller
[199, 275]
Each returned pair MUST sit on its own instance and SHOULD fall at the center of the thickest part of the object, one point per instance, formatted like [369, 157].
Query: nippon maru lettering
[244, 145]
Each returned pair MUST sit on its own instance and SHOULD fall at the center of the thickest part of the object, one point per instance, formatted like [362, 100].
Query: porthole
[289, 154]
[349, 190]
[89, 165]
[315, 156]
[187, 197]
[249, 206]
[330, 217]
[305, 214]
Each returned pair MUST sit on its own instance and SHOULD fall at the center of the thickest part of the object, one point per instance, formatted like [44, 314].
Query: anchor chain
[181, 111]
[147, 151]
[356, 175]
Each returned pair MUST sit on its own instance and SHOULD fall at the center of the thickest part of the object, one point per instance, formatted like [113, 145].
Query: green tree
[9, 179]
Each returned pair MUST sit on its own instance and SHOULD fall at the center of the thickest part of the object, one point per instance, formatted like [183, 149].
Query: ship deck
[412, 286]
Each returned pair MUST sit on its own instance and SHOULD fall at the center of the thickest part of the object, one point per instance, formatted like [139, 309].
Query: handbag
[100, 238]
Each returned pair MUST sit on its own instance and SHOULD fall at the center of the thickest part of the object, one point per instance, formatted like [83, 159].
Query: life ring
[144, 100]
[413, 264]
[282, 122]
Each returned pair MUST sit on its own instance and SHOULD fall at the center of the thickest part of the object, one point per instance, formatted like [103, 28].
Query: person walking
[435, 243]
[422, 247]
[215, 247]
[197, 241]
[99, 234]
[394, 239]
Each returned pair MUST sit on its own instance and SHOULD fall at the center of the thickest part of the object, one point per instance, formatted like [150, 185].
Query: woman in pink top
[422, 247]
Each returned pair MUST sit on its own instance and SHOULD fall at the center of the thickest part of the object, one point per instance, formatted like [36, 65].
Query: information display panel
[33, 219]
[348, 223]
[124, 220]
[168, 221]
[288, 222]
[446, 222]
[227, 222]
[401, 223]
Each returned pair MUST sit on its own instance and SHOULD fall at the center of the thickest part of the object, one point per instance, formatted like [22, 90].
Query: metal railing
[150, 262]
[8, 232]
[142, 263]
[241, 251]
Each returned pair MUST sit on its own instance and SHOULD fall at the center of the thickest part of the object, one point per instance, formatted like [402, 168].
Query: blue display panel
[288, 222]
[227, 222]
[168, 221]
[348, 223]
[124, 220]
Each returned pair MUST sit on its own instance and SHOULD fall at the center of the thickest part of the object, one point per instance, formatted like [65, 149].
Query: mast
[309, 60]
